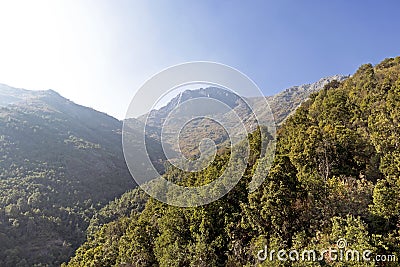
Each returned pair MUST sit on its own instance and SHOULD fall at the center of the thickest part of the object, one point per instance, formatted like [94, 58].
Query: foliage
[60, 163]
[335, 175]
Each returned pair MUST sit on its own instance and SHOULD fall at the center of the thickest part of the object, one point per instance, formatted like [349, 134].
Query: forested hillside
[335, 175]
[59, 164]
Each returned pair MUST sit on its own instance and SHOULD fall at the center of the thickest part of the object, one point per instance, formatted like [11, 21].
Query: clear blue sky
[98, 52]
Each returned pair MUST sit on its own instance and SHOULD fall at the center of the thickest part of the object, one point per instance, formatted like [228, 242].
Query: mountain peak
[12, 96]
[51, 92]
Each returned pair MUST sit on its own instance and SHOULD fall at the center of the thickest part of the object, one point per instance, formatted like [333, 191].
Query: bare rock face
[281, 104]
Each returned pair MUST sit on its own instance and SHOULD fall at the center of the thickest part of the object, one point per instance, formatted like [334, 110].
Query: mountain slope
[335, 178]
[176, 116]
[59, 163]
[286, 102]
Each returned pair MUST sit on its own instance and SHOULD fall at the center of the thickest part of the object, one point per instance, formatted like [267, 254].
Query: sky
[99, 52]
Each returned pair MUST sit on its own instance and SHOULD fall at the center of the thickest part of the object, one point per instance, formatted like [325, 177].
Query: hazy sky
[98, 52]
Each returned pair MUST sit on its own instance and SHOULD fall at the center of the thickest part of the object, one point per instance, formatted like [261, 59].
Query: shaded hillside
[59, 163]
[335, 176]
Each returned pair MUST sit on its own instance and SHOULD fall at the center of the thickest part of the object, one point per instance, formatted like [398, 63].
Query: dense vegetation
[59, 164]
[287, 101]
[335, 175]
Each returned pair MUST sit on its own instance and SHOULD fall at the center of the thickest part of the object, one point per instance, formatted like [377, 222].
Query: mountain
[334, 184]
[59, 163]
[220, 115]
[9, 95]
[44, 129]
[194, 115]
[157, 117]
[287, 101]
